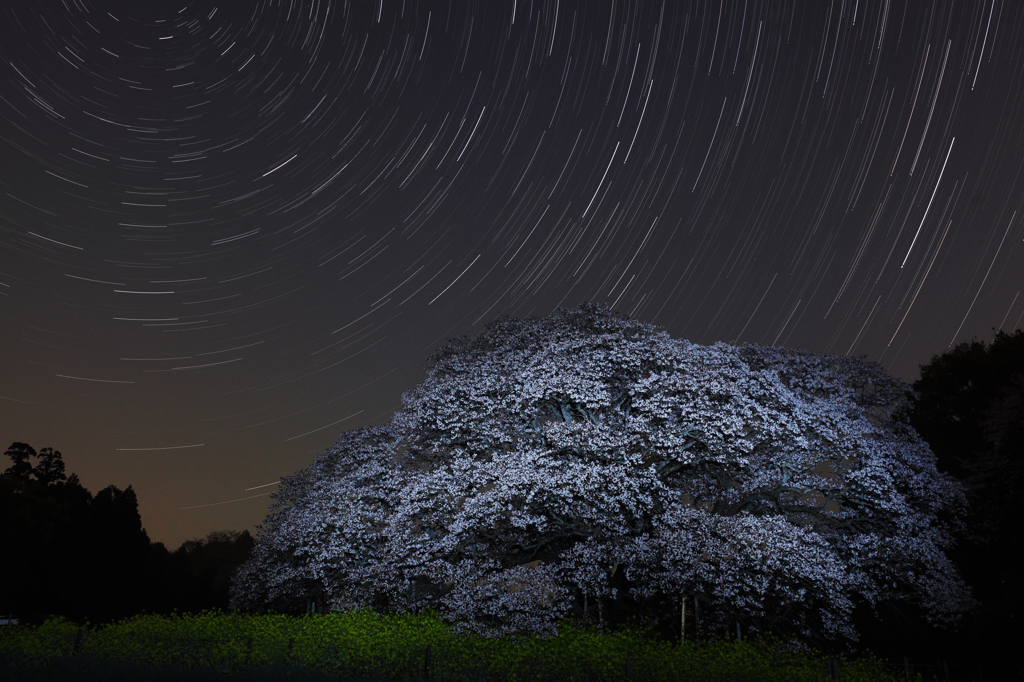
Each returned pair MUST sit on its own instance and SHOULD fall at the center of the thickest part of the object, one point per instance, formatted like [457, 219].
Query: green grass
[363, 645]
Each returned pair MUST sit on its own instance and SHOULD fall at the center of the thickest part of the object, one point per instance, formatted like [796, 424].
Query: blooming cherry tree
[587, 464]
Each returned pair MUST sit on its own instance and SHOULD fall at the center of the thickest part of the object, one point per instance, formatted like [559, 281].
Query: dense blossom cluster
[573, 463]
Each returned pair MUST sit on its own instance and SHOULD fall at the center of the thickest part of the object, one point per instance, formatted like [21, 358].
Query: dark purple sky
[231, 231]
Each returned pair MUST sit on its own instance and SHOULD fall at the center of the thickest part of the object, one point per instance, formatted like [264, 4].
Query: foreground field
[364, 645]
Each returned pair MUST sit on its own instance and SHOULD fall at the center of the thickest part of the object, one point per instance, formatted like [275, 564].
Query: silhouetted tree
[50, 469]
[969, 407]
[204, 568]
[21, 467]
[956, 391]
[43, 530]
[118, 549]
[65, 551]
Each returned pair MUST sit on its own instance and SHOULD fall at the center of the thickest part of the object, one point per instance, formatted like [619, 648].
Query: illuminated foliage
[587, 464]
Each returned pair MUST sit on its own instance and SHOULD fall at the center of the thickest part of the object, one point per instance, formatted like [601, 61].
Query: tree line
[69, 552]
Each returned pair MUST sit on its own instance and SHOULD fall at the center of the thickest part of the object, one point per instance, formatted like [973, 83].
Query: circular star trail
[230, 231]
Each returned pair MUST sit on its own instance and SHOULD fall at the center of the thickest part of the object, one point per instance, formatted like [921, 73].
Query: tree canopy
[588, 464]
[83, 556]
[969, 405]
[964, 404]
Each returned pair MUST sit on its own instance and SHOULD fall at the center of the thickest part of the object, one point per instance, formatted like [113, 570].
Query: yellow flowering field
[363, 644]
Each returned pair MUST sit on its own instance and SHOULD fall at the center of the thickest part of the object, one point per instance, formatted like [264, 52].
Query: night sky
[231, 231]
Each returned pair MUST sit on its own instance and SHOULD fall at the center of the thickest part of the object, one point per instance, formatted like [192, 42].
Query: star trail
[231, 231]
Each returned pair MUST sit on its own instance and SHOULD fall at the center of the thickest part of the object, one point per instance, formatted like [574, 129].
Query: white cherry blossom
[587, 464]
